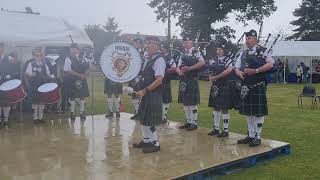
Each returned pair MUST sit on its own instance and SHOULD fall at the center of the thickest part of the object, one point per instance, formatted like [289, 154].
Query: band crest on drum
[121, 61]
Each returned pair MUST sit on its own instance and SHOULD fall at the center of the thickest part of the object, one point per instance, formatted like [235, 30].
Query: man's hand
[141, 93]
[82, 77]
[213, 78]
[179, 71]
[186, 69]
[250, 72]
[240, 74]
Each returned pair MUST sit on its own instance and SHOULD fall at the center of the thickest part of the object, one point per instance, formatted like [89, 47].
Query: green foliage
[308, 21]
[198, 15]
[102, 35]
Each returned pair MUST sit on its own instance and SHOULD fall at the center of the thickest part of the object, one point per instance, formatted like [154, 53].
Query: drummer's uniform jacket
[76, 87]
[189, 93]
[9, 71]
[39, 74]
[253, 101]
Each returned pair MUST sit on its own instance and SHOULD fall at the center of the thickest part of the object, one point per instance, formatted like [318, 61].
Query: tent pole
[284, 70]
[311, 70]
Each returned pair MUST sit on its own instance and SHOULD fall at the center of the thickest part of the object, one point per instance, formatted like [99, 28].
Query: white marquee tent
[22, 32]
[294, 52]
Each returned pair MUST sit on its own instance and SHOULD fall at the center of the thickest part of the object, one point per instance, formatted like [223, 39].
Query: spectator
[280, 70]
[299, 73]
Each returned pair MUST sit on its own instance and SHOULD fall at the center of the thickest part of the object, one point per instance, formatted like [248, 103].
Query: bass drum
[121, 62]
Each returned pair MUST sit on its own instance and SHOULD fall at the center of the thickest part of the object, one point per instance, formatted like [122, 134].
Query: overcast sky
[135, 15]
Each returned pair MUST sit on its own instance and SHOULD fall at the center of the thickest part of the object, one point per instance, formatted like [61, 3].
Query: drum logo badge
[121, 62]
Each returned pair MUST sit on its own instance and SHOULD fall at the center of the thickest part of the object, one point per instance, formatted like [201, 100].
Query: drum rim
[12, 80]
[56, 86]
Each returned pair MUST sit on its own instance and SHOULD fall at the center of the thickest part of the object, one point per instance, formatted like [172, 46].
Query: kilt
[189, 93]
[235, 87]
[166, 93]
[111, 87]
[221, 96]
[150, 109]
[77, 88]
[255, 103]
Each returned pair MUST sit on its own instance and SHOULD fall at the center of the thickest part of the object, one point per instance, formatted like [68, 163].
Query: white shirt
[29, 68]
[67, 64]
[254, 50]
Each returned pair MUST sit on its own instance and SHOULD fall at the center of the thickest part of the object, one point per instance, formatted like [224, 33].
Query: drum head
[121, 62]
[10, 85]
[47, 87]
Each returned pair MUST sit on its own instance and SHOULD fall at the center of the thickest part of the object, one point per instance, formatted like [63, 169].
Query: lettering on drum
[122, 48]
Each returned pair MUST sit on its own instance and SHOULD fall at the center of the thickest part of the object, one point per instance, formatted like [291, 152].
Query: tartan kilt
[166, 93]
[150, 109]
[189, 93]
[255, 103]
[77, 88]
[111, 87]
[221, 96]
[235, 87]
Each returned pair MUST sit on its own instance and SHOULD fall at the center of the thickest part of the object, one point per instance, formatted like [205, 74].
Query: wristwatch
[257, 71]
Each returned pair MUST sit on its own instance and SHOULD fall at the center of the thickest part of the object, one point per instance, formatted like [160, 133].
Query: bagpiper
[220, 98]
[251, 67]
[188, 69]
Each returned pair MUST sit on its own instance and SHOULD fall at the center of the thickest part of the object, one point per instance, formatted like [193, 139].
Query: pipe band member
[134, 84]
[76, 70]
[188, 69]
[251, 67]
[113, 89]
[150, 108]
[166, 85]
[37, 74]
[220, 98]
[9, 69]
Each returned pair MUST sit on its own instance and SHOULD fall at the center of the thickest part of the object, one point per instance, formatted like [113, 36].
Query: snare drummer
[9, 69]
[76, 70]
[37, 73]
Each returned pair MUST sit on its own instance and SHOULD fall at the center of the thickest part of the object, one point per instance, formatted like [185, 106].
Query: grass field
[286, 122]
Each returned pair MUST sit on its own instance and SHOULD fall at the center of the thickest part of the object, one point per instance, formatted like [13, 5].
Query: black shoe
[223, 134]
[246, 140]
[141, 144]
[110, 115]
[117, 114]
[192, 127]
[164, 121]
[36, 121]
[83, 116]
[255, 142]
[42, 121]
[185, 126]
[134, 117]
[213, 132]
[72, 116]
[151, 149]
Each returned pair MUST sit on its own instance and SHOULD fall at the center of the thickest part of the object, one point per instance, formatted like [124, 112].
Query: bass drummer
[37, 74]
[9, 69]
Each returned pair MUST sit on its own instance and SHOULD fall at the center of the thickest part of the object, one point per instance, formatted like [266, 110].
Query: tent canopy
[20, 29]
[297, 48]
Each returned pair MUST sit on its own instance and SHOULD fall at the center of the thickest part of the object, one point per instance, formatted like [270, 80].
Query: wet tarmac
[101, 149]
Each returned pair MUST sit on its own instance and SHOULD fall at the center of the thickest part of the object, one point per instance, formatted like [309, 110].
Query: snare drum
[11, 92]
[49, 93]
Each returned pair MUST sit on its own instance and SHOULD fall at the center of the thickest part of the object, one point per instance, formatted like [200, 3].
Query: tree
[199, 15]
[308, 21]
[102, 35]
